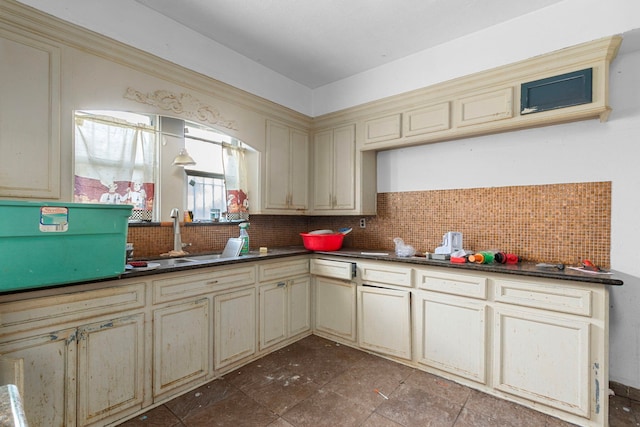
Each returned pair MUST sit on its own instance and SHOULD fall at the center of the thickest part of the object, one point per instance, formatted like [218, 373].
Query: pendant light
[183, 159]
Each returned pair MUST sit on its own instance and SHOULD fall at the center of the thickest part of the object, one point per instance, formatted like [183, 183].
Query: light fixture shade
[183, 159]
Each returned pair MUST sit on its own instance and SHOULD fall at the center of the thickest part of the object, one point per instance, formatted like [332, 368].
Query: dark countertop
[520, 269]
[251, 256]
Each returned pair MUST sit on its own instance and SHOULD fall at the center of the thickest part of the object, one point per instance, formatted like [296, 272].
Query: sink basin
[174, 261]
[200, 258]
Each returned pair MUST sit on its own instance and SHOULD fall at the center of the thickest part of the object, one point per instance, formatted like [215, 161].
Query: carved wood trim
[183, 104]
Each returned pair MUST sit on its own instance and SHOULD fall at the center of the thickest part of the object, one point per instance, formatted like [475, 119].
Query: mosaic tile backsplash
[560, 223]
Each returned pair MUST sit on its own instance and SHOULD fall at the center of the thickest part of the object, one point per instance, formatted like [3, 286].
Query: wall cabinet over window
[287, 157]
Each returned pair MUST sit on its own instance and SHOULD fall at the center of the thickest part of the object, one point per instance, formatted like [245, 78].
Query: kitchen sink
[195, 259]
[200, 258]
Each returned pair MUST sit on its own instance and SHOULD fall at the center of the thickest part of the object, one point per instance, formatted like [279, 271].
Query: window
[116, 160]
[213, 181]
[126, 158]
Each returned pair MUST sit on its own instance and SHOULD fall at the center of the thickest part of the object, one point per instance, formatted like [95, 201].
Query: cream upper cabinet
[425, 120]
[287, 157]
[386, 128]
[484, 107]
[29, 117]
[334, 176]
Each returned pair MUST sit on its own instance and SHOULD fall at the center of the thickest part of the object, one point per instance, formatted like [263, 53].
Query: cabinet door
[273, 314]
[451, 334]
[49, 395]
[485, 107]
[384, 321]
[323, 170]
[334, 172]
[299, 292]
[278, 168]
[344, 164]
[287, 169]
[421, 121]
[29, 117]
[543, 358]
[299, 178]
[234, 326]
[383, 129]
[110, 368]
[181, 345]
[335, 308]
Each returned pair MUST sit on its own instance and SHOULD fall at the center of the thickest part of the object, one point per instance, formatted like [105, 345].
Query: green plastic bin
[53, 243]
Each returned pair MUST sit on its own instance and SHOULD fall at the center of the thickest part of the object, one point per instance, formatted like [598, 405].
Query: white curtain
[235, 174]
[114, 161]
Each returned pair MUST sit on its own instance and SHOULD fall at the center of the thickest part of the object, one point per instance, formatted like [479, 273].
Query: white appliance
[451, 242]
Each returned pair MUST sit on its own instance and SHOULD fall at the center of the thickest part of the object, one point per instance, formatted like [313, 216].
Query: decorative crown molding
[184, 104]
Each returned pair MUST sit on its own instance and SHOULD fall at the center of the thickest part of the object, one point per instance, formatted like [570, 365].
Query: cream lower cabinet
[285, 310]
[50, 362]
[182, 346]
[110, 368]
[451, 330]
[384, 320]
[83, 354]
[558, 332]
[82, 376]
[451, 334]
[234, 326]
[555, 351]
[284, 301]
[335, 308]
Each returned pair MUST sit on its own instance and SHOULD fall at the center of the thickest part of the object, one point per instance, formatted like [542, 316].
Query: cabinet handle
[212, 282]
[281, 284]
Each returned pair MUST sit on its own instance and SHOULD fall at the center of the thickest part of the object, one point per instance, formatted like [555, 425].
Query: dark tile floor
[316, 382]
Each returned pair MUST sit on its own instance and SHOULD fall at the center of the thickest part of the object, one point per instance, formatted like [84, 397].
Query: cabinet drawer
[455, 284]
[386, 274]
[54, 310]
[283, 269]
[182, 285]
[336, 269]
[547, 297]
[383, 129]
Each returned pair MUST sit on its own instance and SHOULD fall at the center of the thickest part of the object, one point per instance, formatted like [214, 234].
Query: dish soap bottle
[245, 238]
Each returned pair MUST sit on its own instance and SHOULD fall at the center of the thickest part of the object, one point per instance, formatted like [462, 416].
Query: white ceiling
[316, 42]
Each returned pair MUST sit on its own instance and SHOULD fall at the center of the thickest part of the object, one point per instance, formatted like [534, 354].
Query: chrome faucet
[177, 240]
